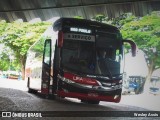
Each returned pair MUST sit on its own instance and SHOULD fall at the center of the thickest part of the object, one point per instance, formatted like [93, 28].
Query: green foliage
[102, 18]
[78, 17]
[145, 31]
[4, 60]
[19, 36]
[39, 46]
[123, 19]
[15, 65]
[3, 25]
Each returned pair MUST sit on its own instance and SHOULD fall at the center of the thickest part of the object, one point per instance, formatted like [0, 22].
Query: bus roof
[74, 22]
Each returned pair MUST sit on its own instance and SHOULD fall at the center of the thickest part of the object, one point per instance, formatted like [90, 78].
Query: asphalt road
[12, 99]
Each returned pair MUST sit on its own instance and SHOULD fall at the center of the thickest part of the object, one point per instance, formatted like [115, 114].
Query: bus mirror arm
[133, 46]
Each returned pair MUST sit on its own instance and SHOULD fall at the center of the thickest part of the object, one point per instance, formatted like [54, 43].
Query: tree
[102, 18]
[145, 31]
[123, 19]
[4, 60]
[19, 36]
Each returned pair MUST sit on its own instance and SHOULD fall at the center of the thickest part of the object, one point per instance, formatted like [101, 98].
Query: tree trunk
[23, 62]
[23, 72]
[148, 77]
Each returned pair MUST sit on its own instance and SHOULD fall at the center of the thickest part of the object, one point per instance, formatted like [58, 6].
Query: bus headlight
[116, 96]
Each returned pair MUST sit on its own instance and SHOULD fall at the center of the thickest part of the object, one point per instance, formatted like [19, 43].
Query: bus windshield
[91, 58]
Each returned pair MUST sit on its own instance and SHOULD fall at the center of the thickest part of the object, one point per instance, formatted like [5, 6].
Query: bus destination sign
[82, 30]
[82, 37]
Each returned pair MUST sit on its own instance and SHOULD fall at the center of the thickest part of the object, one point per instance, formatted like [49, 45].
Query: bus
[83, 59]
[134, 84]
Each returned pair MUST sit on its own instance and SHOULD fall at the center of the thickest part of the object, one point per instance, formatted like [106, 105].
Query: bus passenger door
[46, 67]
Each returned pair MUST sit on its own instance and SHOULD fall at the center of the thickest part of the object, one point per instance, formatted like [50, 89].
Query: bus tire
[93, 102]
[137, 90]
[51, 97]
[32, 91]
[29, 89]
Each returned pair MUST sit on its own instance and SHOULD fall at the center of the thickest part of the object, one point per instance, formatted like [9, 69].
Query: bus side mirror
[60, 39]
[133, 46]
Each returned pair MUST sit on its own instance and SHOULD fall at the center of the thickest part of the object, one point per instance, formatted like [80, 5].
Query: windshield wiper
[110, 74]
[98, 76]
[68, 69]
[102, 60]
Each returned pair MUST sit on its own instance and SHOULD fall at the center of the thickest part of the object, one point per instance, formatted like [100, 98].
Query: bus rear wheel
[137, 90]
[32, 91]
[29, 89]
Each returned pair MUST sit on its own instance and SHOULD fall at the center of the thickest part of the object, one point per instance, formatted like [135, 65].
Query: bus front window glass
[102, 57]
[108, 55]
[78, 56]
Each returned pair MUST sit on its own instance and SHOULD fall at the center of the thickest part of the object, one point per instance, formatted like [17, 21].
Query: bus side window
[35, 54]
[47, 52]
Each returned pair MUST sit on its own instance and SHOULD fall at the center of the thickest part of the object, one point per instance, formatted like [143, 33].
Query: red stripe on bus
[81, 80]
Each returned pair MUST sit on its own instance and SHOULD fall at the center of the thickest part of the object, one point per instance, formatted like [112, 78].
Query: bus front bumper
[69, 88]
[89, 96]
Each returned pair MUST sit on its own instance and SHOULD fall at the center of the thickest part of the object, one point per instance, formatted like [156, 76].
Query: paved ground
[14, 97]
[146, 101]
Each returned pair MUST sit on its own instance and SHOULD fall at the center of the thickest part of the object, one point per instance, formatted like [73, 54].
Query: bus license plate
[92, 94]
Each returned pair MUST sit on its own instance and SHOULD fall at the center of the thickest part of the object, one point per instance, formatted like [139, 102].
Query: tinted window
[47, 52]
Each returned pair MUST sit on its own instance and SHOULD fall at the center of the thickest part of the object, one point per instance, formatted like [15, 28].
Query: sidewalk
[13, 83]
[148, 101]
